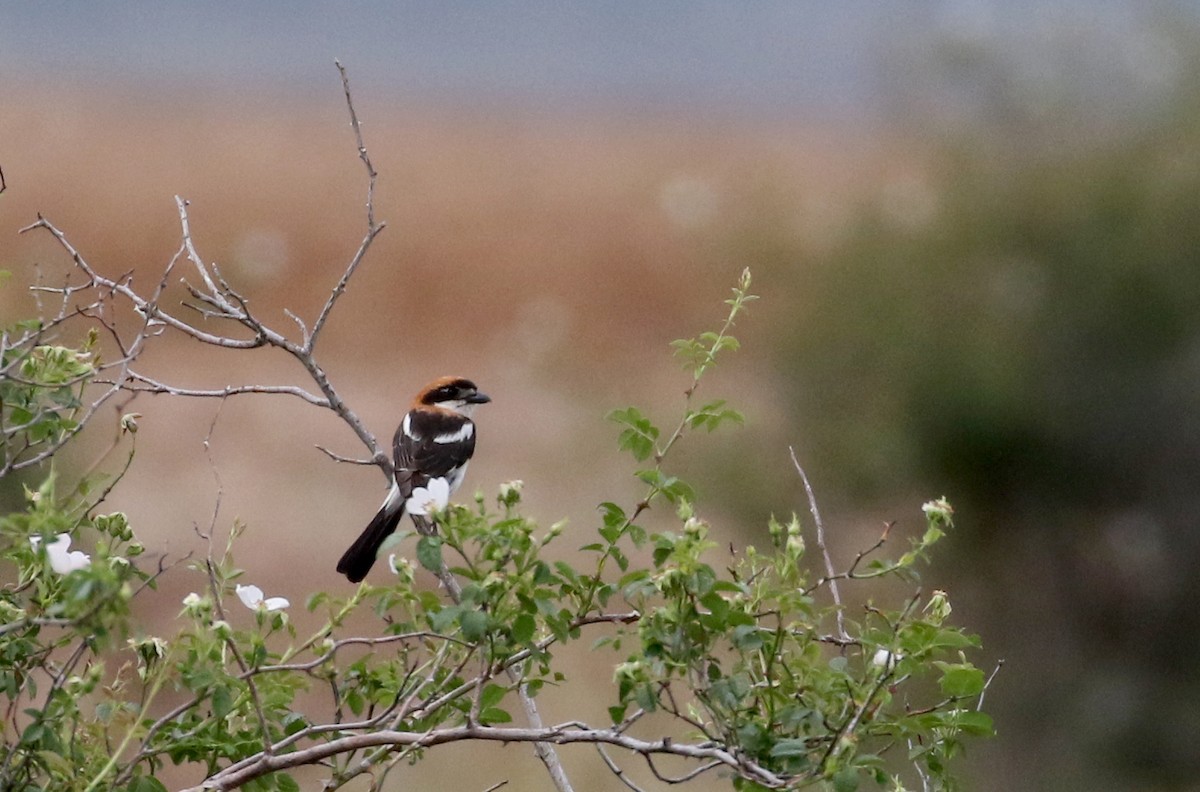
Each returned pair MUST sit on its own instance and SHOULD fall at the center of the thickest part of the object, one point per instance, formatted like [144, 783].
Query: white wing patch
[465, 433]
[406, 427]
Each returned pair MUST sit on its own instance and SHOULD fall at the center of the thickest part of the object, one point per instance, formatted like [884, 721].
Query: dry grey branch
[568, 734]
[373, 228]
[830, 575]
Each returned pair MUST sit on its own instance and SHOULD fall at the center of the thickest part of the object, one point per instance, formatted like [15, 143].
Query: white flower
[252, 597]
[938, 510]
[432, 497]
[401, 567]
[886, 659]
[62, 560]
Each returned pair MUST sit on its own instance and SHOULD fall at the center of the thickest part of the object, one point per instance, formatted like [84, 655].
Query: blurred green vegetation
[1018, 326]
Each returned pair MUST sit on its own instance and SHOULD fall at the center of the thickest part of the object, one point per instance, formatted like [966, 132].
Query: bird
[435, 440]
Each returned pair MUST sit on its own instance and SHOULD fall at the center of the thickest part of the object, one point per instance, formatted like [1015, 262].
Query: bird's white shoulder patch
[406, 428]
[465, 433]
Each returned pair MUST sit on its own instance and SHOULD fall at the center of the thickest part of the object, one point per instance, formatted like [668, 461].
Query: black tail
[358, 560]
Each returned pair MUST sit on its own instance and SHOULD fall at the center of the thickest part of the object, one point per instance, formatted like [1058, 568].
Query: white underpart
[464, 433]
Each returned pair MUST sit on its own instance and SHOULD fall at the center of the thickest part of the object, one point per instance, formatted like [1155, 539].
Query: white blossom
[252, 597]
[433, 497]
[62, 559]
[938, 510]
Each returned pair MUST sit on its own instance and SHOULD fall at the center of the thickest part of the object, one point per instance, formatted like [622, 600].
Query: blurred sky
[783, 57]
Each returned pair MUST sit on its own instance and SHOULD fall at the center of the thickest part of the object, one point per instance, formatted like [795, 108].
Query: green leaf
[492, 695]
[645, 698]
[442, 620]
[285, 783]
[975, 723]
[613, 514]
[691, 352]
[354, 700]
[747, 637]
[523, 628]
[474, 624]
[673, 488]
[845, 780]
[640, 436]
[752, 736]
[712, 415]
[492, 715]
[961, 679]
[429, 553]
[222, 702]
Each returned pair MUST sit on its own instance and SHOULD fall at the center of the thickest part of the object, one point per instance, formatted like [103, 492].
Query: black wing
[418, 454]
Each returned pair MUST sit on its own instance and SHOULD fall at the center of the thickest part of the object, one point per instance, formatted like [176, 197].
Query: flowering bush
[761, 668]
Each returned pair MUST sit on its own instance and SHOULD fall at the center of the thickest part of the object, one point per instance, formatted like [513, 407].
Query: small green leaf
[492, 715]
[492, 695]
[975, 723]
[523, 628]
[747, 637]
[222, 702]
[845, 780]
[285, 783]
[961, 679]
[146, 784]
[429, 553]
[640, 436]
[613, 514]
[474, 624]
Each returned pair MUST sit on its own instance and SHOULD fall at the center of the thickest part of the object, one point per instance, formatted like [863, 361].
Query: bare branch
[568, 734]
[988, 683]
[616, 769]
[830, 575]
[141, 305]
[150, 385]
[339, 458]
[373, 228]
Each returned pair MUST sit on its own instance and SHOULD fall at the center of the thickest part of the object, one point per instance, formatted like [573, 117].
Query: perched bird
[435, 440]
